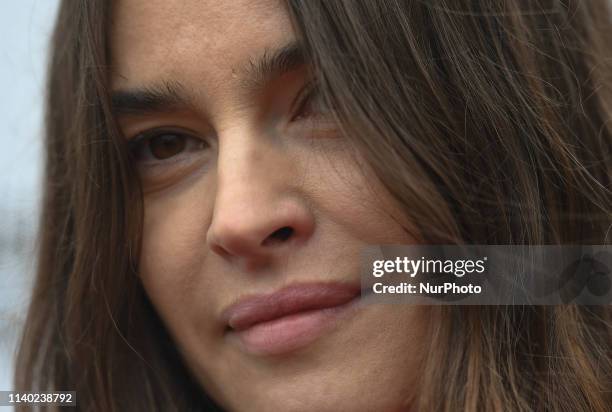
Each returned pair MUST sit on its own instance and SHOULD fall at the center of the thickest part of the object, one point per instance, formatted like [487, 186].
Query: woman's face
[251, 193]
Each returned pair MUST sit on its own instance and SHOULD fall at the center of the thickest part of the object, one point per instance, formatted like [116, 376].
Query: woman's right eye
[163, 146]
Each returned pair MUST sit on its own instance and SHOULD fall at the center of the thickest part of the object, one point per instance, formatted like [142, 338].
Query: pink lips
[289, 318]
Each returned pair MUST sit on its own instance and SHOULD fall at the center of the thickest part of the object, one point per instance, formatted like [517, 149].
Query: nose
[258, 212]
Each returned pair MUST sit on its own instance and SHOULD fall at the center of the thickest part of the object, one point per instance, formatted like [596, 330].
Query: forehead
[193, 41]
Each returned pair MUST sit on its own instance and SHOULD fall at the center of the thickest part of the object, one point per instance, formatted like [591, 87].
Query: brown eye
[164, 146]
[155, 147]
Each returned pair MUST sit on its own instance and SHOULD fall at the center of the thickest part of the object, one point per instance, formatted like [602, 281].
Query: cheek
[348, 193]
[173, 247]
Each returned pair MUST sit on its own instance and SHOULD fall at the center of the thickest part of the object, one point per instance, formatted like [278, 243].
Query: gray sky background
[25, 28]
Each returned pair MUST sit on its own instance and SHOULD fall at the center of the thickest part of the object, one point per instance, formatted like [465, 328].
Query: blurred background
[25, 28]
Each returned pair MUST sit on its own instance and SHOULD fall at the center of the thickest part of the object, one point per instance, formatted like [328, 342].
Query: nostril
[278, 236]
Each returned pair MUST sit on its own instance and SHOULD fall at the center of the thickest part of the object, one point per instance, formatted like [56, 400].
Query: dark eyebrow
[173, 96]
[164, 97]
[272, 64]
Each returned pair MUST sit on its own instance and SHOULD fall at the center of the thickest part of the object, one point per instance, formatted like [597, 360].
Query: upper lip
[289, 299]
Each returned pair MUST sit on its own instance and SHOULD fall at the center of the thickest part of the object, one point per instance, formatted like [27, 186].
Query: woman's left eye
[310, 104]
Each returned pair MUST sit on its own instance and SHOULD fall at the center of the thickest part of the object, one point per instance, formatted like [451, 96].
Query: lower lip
[291, 332]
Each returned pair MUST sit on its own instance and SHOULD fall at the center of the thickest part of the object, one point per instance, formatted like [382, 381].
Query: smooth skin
[237, 164]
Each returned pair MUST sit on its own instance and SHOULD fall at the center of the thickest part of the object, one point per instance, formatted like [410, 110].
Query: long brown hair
[488, 121]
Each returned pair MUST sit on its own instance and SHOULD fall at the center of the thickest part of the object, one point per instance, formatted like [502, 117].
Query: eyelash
[143, 140]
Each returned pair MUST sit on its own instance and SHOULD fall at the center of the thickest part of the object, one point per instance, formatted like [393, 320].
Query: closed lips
[287, 301]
